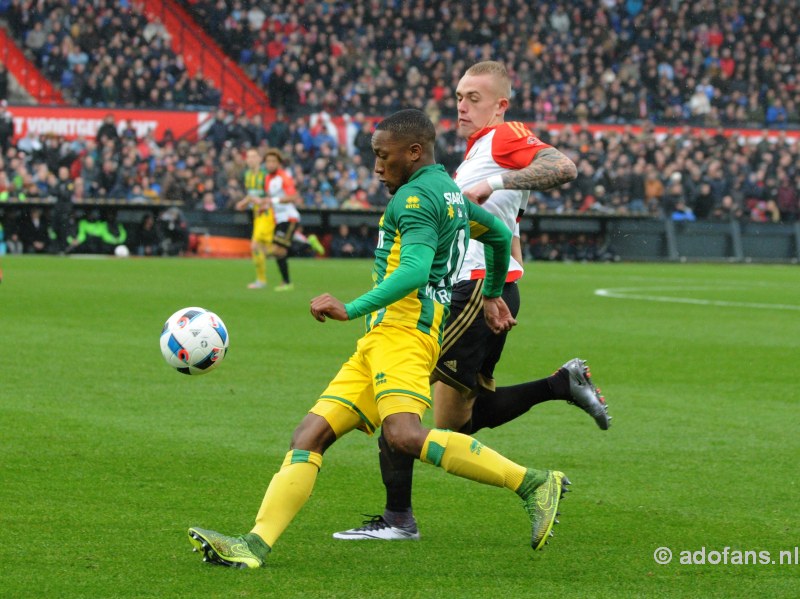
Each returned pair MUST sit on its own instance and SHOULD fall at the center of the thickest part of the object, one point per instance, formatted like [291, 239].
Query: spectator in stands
[704, 201]
[148, 238]
[776, 115]
[344, 244]
[35, 38]
[175, 232]
[107, 132]
[231, 193]
[3, 82]
[11, 229]
[788, 198]
[765, 211]
[109, 181]
[357, 201]
[281, 90]
[219, 130]
[727, 210]
[33, 232]
[62, 190]
[367, 241]
[6, 126]
[542, 249]
[681, 211]
[278, 134]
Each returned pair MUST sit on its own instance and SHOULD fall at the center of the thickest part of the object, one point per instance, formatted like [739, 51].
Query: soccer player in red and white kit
[281, 195]
[503, 163]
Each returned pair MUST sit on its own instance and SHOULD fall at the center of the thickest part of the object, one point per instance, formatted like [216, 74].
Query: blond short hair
[497, 70]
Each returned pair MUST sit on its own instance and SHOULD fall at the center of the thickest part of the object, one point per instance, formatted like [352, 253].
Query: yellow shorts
[263, 228]
[388, 374]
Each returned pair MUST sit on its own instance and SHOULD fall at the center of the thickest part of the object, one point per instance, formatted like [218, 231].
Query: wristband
[496, 182]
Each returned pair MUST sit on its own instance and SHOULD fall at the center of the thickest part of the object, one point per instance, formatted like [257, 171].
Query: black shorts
[284, 232]
[470, 350]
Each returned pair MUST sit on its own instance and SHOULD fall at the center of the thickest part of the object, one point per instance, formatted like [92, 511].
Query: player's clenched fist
[326, 306]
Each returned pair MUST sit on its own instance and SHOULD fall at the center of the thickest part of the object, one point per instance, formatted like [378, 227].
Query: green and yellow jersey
[427, 216]
[255, 185]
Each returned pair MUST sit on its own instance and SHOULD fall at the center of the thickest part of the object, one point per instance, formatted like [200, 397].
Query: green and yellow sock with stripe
[288, 491]
[468, 458]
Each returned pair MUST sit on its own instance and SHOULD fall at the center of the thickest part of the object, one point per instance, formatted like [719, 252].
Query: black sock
[504, 404]
[283, 266]
[397, 470]
[466, 428]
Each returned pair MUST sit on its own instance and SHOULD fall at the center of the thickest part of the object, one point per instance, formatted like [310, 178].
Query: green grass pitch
[107, 456]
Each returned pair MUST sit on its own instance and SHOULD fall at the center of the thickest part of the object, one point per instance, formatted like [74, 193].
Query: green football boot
[244, 551]
[540, 500]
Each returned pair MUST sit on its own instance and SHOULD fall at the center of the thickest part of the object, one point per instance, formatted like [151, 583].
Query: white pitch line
[624, 294]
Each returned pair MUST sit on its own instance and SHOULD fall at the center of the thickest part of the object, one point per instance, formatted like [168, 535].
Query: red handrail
[201, 53]
[26, 73]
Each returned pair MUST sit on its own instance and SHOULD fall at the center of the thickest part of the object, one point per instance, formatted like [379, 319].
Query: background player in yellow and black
[422, 239]
[255, 177]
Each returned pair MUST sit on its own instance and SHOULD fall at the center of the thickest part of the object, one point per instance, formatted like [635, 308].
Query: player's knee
[313, 434]
[404, 435]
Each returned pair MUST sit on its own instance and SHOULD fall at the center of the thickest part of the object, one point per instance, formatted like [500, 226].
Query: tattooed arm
[549, 168]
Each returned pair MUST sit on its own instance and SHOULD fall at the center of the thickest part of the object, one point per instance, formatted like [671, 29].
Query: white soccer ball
[122, 251]
[194, 340]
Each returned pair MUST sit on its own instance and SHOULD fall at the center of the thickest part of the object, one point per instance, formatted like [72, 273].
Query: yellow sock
[288, 491]
[260, 260]
[465, 457]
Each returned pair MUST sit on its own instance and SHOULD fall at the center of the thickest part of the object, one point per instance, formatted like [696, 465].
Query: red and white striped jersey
[493, 151]
[280, 184]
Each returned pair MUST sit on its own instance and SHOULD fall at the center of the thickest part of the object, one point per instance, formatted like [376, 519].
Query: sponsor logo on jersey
[412, 202]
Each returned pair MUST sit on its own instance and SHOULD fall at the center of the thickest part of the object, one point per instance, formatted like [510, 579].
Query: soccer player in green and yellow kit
[422, 239]
[255, 176]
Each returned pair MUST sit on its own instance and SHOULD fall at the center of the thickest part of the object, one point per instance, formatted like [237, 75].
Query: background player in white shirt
[503, 162]
[281, 196]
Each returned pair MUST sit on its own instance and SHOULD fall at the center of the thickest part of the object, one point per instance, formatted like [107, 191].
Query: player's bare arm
[549, 168]
[293, 198]
[326, 306]
[516, 249]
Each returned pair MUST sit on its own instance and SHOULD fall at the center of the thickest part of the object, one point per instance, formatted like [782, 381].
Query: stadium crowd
[611, 61]
[615, 61]
[105, 53]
